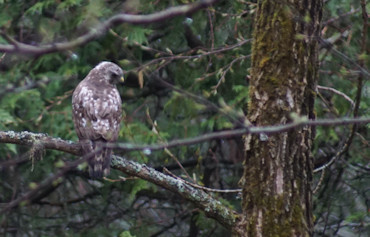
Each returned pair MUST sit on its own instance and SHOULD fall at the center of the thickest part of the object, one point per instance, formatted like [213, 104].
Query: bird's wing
[97, 112]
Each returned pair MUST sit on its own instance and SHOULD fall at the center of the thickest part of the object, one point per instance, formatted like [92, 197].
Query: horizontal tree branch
[267, 130]
[31, 139]
[212, 207]
[18, 47]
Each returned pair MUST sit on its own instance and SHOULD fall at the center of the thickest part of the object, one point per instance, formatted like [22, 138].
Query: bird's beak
[122, 79]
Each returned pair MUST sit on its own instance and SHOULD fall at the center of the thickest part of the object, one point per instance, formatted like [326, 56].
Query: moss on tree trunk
[277, 197]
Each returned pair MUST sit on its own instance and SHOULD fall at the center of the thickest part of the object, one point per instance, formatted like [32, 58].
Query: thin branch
[326, 44]
[226, 69]
[11, 88]
[19, 47]
[239, 190]
[335, 91]
[267, 130]
[2, 57]
[35, 191]
[188, 57]
[360, 82]
[319, 183]
[29, 139]
[71, 201]
[340, 17]
[156, 131]
[200, 99]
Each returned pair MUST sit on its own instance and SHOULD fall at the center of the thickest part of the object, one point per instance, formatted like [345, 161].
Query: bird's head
[111, 72]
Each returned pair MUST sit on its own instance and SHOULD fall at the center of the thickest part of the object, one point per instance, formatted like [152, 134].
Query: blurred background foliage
[184, 78]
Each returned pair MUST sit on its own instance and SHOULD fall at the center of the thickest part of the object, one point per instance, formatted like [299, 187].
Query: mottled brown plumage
[97, 113]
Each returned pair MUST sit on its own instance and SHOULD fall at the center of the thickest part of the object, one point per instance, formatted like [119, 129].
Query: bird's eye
[115, 77]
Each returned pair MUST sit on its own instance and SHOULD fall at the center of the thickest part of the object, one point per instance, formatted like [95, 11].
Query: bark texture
[277, 197]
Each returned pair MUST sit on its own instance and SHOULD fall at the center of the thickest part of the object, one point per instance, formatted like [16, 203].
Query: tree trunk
[277, 196]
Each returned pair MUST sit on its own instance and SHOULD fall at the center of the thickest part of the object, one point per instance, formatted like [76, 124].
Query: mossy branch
[204, 201]
[212, 207]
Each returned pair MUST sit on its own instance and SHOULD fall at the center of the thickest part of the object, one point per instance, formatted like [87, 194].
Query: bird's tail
[99, 162]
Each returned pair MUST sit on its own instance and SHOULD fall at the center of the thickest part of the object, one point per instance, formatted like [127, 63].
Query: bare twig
[267, 130]
[211, 29]
[52, 180]
[326, 44]
[200, 99]
[226, 69]
[318, 185]
[335, 91]
[330, 21]
[188, 57]
[28, 138]
[348, 142]
[2, 57]
[156, 131]
[71, 201]
[202, 187]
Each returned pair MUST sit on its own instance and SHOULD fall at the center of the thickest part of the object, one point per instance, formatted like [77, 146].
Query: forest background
[186, 76]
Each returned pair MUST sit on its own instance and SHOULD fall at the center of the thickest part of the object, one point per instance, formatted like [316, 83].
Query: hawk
[97, 113]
